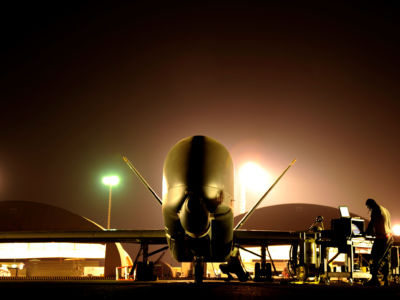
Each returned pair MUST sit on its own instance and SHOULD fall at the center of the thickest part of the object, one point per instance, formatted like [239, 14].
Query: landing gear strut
[198, 270]
[145, 269]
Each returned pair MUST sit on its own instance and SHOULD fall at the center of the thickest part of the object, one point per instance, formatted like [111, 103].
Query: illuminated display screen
[344, 212]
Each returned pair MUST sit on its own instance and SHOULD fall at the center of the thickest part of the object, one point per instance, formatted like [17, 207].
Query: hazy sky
[83, 84]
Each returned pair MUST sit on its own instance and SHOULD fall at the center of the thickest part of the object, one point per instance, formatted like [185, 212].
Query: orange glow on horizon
[51, 250]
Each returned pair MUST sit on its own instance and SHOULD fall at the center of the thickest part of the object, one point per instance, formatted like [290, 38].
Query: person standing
[380, 227]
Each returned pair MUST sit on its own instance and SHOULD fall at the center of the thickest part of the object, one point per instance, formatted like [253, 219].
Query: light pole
[110, 181]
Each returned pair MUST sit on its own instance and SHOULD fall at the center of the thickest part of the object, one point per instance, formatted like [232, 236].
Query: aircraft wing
[271, 237]
[241, 237]
[127, 236]
[264, 237]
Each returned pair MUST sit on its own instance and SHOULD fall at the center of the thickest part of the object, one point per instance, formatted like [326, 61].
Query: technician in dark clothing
[234, 266]
[380, 227]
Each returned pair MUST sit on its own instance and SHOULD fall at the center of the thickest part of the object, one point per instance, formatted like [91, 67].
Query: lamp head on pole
[110, 180]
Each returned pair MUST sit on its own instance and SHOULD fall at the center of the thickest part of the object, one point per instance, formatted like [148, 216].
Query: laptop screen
[344, 212]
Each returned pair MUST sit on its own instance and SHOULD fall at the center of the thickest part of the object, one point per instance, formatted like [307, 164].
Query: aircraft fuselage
[198, 185]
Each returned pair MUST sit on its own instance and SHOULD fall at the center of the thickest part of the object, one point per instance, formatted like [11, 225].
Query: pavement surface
[188, 290]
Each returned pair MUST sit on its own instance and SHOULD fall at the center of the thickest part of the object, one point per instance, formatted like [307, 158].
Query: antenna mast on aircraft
[134, 170]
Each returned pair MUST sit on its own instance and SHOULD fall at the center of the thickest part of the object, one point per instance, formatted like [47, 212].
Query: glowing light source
[252, 177]
[50, 250]
[110, 180]
[396, 229]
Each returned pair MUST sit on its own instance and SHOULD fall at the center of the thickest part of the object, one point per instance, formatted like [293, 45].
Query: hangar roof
[26, 216]
[33, 216]
[290, 217]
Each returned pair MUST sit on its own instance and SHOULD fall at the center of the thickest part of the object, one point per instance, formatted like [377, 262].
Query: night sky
[83, 84]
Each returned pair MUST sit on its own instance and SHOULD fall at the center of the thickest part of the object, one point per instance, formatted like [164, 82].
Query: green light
[110, 180]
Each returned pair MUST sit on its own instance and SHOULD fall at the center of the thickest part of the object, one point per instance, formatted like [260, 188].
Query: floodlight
[110, 180]
[396, 230]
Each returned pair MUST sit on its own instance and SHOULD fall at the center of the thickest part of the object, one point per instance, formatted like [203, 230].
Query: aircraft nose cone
[195, 217]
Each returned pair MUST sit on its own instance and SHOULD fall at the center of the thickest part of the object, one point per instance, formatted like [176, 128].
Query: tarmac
[101, 289]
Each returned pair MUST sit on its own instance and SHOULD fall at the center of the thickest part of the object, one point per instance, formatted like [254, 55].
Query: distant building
[54, 259]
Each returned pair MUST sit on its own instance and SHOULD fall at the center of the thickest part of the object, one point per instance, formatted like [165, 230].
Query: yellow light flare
[254, 177]
[396, 229]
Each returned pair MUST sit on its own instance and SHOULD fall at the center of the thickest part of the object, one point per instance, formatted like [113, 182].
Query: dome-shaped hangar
[55, 259]
[290, 217]
[25, 216]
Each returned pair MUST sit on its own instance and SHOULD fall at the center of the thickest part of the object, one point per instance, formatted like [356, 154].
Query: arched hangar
[54, 259]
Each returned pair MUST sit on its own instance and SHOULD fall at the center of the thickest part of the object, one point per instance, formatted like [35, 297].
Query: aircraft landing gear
[198, 270]
[145, 272]
[262, 272]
